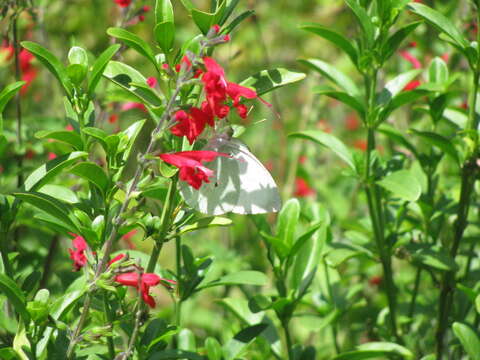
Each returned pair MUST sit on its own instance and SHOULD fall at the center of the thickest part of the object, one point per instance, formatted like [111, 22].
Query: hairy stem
[468, 174]
[374, 200]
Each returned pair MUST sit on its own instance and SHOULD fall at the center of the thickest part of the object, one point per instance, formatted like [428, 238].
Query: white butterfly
[241, 185]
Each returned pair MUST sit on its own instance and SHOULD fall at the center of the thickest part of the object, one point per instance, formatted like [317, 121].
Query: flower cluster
[219, 92]
[143, 284]
[77, 254]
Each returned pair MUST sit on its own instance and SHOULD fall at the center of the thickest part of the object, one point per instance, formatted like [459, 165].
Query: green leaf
[14, 294]
[434, 257]
[97, 134]
[214, 349]
[394, 41]
[8, 353]
[353, 102]
[402, 184]
[330, 142]
[135, 42]
[163, 11]
[76, 73]
[335, 38]
[397, 137]
[5, 96]
[50, 205]
[268, 80]
[235, 22]
[69, 137]
[440, 21]
[364, 20]
[99, 66]
[241, 340]
[281, 248]
[79, 56]
[186, 340]
[246, 277]
[333, 74]
[396, 85]
[8, 93]
[51, 63]
[469, 340]
[205, 21]
[132, 81]
[404, 98]
[438, 71]
[93, 173]
[376, 352]
[204, 223]
[439, 142]
[165, 35]
[48, 171]
[287, 222]
[175, 354]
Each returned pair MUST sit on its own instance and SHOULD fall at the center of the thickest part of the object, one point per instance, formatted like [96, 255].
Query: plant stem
[4, 252]
[288, 337]
[18, 76]
[413, 302]
[469, 170]
[108, 314]
[48, 261]
[374, 200]
[178, 256]
[117, 221]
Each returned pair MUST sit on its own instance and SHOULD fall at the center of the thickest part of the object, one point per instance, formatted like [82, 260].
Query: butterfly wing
[241, 184]
[258, 192]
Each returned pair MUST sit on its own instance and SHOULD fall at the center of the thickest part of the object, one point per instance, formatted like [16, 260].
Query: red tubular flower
[123, 3]
[191, 165]
[411, 59]
[302, 189]
[147, 280]
[412, 85]
[77, 254]
[152, 82]
[116, 258]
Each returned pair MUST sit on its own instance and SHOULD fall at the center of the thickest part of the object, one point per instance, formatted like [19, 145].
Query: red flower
[116, 258]
[351, 122]
[191, 166]
[411, 59]
[133, 105]
[147, 280]
[412, 85]
[123, 3]
[77, 254]
[185, 60]
[191, 124]
[375, 280]
[29, 73]
[360, 144]
[113, 118]
[302, 189]
[52, 156]
[152, 82]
